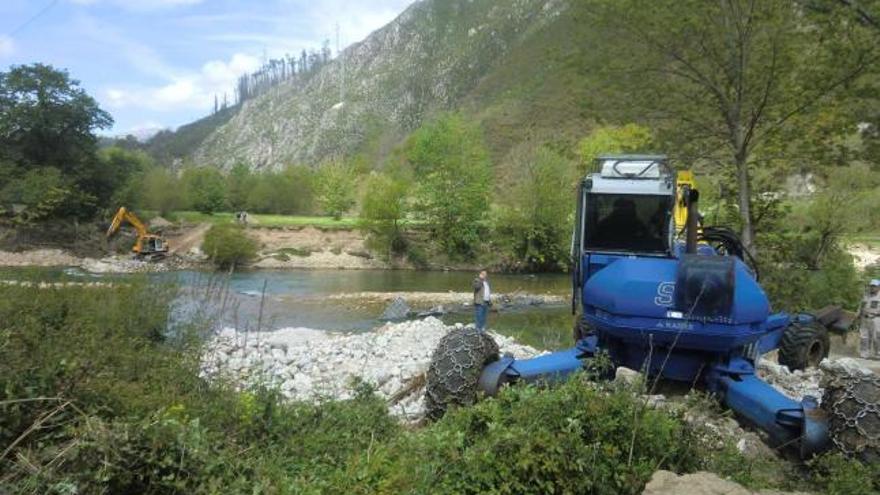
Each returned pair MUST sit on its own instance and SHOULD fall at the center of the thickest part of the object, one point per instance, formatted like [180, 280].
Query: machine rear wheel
[804, 346]
[852, 403]
[455, 369]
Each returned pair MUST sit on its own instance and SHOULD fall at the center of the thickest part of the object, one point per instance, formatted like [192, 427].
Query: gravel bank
[313, 365]
[453, 300]
[108, 264]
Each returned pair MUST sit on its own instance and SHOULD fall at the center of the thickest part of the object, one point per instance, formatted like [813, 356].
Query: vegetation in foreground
[101, 394]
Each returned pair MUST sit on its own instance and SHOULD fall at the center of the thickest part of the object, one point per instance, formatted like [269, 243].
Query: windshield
[627, 222]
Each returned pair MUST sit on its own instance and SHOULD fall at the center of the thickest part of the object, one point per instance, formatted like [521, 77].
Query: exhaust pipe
[692, 197]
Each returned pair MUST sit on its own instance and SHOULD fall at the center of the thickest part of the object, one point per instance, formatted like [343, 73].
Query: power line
[33, 18]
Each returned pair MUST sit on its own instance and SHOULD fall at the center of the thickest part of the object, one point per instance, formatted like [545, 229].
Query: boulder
[397, 310]
[700, 483]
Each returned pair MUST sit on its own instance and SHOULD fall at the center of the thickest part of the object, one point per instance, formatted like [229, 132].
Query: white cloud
[194, 91]
[7, 46]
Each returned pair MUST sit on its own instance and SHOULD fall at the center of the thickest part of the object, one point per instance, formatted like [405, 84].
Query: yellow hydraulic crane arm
[123, 215]
[684, 180]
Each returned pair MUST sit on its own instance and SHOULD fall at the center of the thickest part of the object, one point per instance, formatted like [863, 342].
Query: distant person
[869, 322]
[241, 217]
[482, 299]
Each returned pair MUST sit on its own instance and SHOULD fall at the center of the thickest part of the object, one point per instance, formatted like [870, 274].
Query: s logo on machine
[665, 293]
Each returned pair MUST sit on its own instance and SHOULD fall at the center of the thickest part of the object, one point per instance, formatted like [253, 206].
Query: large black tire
[455, 369]
[804, 346]
[852, 403]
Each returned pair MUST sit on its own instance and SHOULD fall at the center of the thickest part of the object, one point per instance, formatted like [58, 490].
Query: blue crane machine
[657, 292]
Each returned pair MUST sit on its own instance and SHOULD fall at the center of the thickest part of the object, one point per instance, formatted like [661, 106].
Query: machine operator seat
[621, 225]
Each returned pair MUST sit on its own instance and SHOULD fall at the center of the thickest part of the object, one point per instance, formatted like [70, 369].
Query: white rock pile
[314, 365]
[801, 383]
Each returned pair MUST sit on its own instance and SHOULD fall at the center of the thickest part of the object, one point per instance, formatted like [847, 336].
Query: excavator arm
[123, 215]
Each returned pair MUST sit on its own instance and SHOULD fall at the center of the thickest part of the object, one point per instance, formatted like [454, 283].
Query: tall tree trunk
[745, 206]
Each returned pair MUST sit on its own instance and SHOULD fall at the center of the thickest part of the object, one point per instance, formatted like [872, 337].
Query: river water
[271, 299]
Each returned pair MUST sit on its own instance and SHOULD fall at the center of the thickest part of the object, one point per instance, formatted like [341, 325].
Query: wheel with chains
[852, 402]
[455, 369]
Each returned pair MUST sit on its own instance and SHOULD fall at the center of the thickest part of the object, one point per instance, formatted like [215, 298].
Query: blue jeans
[481, 311]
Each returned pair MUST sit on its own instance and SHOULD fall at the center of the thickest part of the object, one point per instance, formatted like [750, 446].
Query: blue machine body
[639, 315]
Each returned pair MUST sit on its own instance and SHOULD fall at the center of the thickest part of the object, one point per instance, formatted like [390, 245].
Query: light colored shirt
[487, 293]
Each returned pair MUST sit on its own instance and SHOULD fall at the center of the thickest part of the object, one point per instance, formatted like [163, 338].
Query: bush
[229, 245]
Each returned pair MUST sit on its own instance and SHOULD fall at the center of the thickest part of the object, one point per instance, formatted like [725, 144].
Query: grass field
[265, 220]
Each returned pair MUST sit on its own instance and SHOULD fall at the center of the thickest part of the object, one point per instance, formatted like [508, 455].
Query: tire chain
[852, 402]
[455, 369]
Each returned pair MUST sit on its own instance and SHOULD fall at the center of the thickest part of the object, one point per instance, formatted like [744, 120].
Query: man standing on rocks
[869, 324]
[482, 299]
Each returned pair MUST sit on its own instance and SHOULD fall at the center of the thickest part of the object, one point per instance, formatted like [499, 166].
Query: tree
[288, 192]
[613, 139]
[205, 189]
[335, 187]
[47, 120]
[121, 173]
[383, 208]
[46, 129]
[535, 218]
[450, 159]
[161, 191]
[239, 184]
[724, 78]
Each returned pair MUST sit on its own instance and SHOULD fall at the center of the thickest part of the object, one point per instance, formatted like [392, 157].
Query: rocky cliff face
[438, 55]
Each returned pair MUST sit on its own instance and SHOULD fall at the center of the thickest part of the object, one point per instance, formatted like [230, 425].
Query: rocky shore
[313, 365]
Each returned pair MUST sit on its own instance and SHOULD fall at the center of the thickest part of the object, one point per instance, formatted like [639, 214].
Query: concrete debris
[700, 483]
[312, 365]
[794, 384]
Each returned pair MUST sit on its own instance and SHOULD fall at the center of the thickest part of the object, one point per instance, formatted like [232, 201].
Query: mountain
[513, 65]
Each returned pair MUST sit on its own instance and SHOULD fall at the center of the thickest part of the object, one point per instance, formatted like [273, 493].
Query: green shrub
[228, 245]
[836, 475]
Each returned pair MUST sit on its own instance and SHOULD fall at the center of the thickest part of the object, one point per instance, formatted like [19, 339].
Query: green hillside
[513, 65]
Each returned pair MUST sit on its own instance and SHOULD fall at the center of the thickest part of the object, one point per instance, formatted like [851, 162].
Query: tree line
[278, 70]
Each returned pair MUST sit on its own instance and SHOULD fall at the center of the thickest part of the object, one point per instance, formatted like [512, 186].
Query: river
[303, 298]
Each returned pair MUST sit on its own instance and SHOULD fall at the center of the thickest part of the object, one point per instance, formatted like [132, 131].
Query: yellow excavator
[148, 246]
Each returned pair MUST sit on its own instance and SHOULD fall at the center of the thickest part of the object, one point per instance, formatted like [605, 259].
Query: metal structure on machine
[658, 292]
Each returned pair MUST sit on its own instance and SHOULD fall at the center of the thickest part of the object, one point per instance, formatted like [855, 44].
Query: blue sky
[158, 63]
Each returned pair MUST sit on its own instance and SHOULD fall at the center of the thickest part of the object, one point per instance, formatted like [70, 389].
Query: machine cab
[628, 207]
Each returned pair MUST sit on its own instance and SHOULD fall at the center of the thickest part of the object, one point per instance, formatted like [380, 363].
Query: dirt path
[188, 239]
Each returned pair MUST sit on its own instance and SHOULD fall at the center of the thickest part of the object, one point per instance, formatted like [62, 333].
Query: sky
[159, 63]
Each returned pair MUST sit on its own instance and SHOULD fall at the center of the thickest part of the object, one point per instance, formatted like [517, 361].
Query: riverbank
[312, 365]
